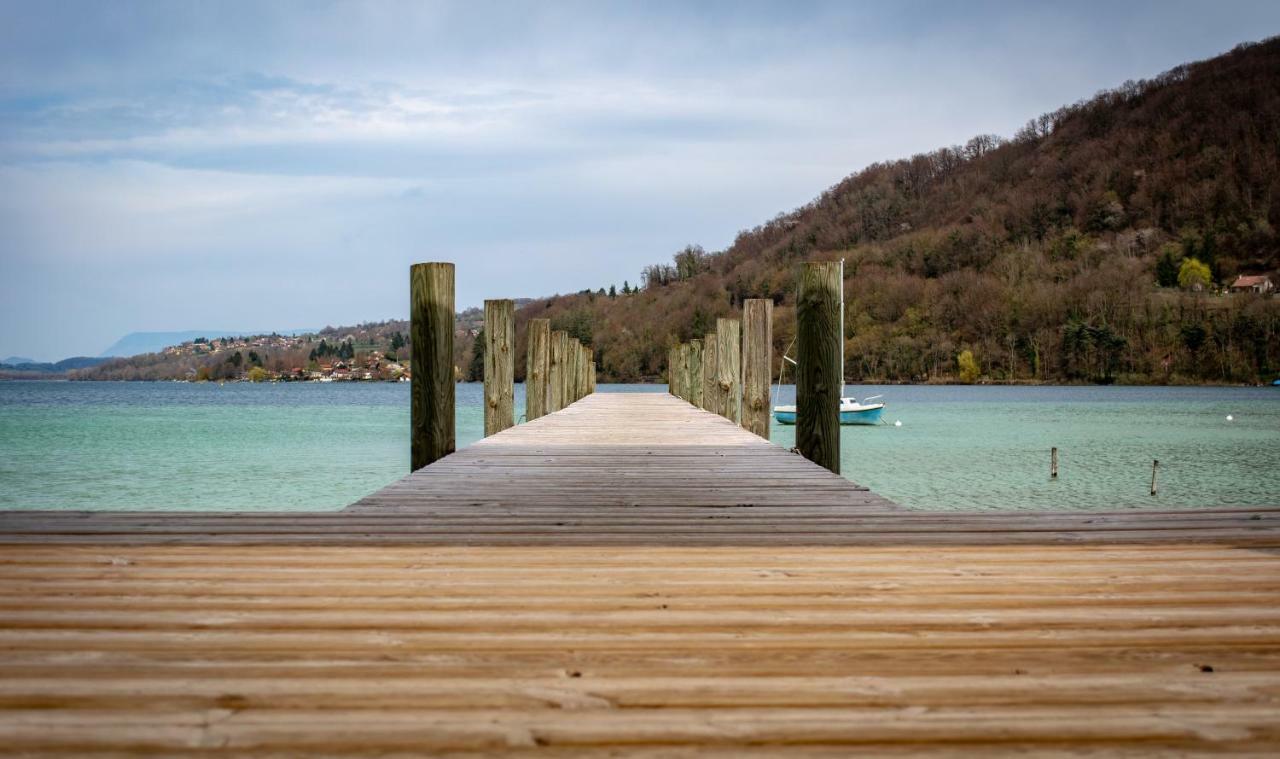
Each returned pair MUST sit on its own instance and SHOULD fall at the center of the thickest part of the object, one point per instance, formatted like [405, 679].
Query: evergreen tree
[1167, 266]
[475, 372]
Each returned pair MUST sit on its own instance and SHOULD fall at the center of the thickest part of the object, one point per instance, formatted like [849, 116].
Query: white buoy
[898, 423]
[1230, 418]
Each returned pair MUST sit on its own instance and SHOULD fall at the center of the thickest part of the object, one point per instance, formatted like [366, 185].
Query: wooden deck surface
[634, 575]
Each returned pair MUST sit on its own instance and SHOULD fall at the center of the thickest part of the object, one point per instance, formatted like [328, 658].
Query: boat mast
[842, 330]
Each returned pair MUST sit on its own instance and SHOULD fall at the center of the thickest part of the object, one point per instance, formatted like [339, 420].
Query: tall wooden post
[682, 369]
[431, 389]
[818, 371]
[584, 373]
[671, 371]
[757, 364]
[696, 382]
[555, 371]
[499, 365]
[591, 382]
[729, 368]
[535, 375]
[572, 356]
[709, 394]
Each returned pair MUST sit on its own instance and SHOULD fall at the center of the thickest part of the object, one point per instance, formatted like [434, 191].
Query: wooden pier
[633, 574]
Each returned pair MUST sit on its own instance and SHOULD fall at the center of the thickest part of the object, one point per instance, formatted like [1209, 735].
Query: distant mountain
[136, 343]
[15, 367]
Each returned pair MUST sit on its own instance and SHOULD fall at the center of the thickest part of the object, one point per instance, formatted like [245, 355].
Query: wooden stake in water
[1053, 463]
[1155, 466]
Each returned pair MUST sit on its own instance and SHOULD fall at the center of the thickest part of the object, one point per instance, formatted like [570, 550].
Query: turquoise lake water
[152, 446]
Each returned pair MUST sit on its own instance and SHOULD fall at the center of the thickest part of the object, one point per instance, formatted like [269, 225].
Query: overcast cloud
[174, 165]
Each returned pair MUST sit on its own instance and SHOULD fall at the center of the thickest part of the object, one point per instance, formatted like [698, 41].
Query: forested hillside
[1094, 245]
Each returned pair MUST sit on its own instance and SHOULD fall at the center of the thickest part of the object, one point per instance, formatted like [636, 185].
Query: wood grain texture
[499, 365]
[373, 651]
[693, 371]
[635, 575]
[555, 371]
[757, 364]
[728, 385]
[431, 387]
[709, 395]
[538, 360]
[819, 377]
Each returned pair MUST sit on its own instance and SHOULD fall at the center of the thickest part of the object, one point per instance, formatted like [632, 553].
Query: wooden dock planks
[634, 575]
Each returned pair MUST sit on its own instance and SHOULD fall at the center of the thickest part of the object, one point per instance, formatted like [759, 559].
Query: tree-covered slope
[1053, 255]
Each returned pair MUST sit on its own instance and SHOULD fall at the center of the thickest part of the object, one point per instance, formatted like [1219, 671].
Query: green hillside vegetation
[1090, 247]
[1095, 245]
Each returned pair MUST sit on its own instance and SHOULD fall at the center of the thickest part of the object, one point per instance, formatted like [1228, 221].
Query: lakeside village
[251, 360]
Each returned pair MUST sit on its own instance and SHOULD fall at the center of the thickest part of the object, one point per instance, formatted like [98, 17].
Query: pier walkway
[634, 574]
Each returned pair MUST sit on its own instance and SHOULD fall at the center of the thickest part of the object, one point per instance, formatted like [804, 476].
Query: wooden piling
[757, 364]
[584, 359]
[571, 358]
[729, 369]
[671, 370]
[709, 394]
[592, 383]
[686, 386]
[431, 389]
[499, 365]
[694, 372]
[1155, 466]
[535, 375]
[818, 372]
[1053, 463]
[555, 371]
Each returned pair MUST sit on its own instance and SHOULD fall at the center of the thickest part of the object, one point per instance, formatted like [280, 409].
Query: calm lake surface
[152, 446]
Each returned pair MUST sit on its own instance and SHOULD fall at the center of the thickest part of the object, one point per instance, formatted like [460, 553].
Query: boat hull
[865, 416]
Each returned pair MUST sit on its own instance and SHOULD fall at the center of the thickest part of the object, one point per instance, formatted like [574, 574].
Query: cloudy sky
[273, 165]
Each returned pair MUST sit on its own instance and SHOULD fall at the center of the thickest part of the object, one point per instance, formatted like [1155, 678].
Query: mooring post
[592, 377]
[1155, 466]
[686, 386]
[695, 372]
[729, 369]
[818, 371]
[671, 370]
[579, 373]
[555, 371]
[709, 394]
[757, 364]
[499, 365]
[431, 387]
[1053, 463]
[588, 359]
[535, 374]
[572, 357]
